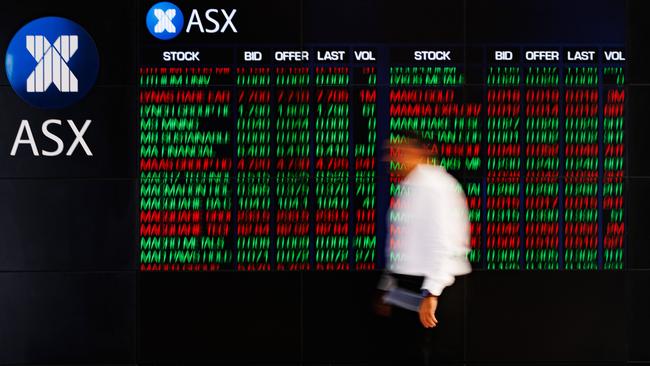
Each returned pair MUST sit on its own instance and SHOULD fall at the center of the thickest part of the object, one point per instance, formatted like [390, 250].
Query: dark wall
[321, 318]
[637, 280]
[67, 254]
[70, 291]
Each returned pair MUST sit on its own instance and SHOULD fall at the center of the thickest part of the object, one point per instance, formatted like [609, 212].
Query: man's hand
[379, 306]
[428, 311]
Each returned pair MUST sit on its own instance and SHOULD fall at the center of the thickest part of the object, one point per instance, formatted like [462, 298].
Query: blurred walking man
[427, 247]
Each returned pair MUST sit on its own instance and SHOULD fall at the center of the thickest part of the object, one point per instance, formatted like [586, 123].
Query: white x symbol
[52, 67]
[164, 20]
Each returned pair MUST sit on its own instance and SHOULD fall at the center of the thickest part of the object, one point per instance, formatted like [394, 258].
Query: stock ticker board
[261, 149]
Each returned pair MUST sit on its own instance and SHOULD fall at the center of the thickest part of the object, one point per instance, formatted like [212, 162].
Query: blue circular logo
[52, 62]
[165, 20]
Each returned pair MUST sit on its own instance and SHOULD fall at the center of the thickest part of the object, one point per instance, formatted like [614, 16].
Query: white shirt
[430, 229]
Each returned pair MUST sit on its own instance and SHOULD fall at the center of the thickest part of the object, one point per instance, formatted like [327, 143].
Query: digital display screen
[268, 156]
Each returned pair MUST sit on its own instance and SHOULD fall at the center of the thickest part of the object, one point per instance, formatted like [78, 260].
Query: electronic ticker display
[268, 157]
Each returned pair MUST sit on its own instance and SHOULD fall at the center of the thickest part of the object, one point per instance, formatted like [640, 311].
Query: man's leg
[411, 345]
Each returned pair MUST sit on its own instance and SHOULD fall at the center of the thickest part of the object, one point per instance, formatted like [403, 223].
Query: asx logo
[51, 62]
[165, 21]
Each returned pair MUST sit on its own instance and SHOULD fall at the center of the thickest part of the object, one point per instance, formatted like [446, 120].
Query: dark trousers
[403, 339]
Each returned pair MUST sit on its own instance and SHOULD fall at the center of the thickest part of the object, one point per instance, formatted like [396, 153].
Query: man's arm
[447, 227]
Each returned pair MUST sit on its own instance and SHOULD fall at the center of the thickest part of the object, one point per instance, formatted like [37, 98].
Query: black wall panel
[548, 317]
[224, 317]
[67, 225]
[638, 303]
[67, 317]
